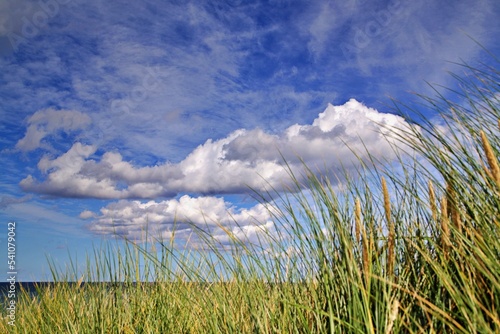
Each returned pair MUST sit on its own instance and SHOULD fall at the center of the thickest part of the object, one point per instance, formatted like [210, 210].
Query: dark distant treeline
[29, 287]
[33, 287]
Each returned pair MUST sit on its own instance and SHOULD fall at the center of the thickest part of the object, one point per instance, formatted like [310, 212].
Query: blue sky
[114, 113]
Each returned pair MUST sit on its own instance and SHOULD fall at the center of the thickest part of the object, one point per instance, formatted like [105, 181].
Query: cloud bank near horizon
[183, 218]
[339, 138]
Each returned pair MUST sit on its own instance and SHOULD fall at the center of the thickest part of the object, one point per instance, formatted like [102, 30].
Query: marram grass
[415, 251]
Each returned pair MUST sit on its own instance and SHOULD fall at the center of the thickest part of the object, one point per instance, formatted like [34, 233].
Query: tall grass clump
[410, 246]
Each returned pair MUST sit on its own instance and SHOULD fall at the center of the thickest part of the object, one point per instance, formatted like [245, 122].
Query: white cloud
[66, 180]
[46, 216]
[6, 201]
[87, 214]
[245, 158]
[135, 219]
[181, 90]
[404, 38]
[46, 122]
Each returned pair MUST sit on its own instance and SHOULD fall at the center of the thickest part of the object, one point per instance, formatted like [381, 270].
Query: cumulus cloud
[87, 214]
[48, 121]
[65, 177]
[134, 220]
[242, 160]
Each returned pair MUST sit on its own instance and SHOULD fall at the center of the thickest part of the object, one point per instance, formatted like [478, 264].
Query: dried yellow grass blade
[79, 283]
[367, 248]
[392, 316]
[452, 206]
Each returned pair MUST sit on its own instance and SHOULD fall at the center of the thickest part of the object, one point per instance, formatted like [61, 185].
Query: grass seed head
[445, 231]
[387, 201]
[491, 158]
[432, 201]
[357, 218]
[391, 238]
[392, 316]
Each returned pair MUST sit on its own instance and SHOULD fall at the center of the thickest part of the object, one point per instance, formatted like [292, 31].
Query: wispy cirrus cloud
[182, 73]
[46, 122]
[6, 201]
[418, 40]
